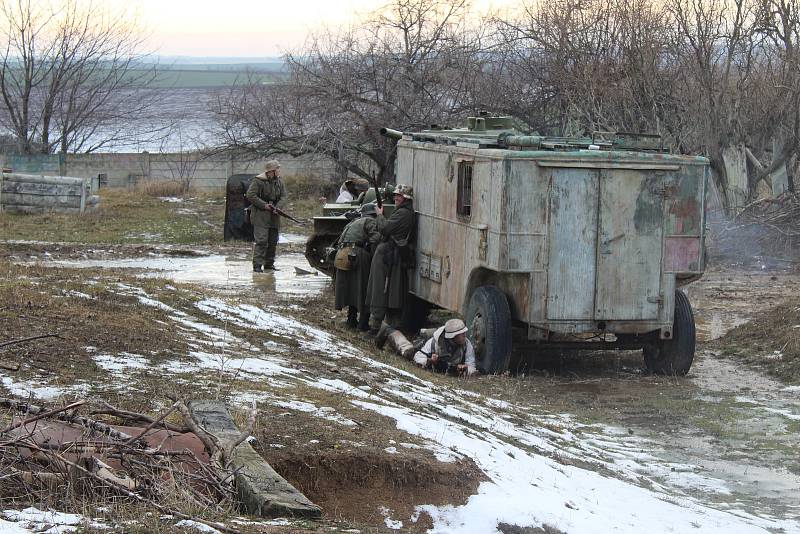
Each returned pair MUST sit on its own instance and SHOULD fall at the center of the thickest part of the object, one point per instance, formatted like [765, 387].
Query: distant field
[201, 77]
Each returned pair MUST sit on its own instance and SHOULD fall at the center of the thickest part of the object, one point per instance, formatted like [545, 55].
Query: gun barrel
[523, 140]
[392, 134]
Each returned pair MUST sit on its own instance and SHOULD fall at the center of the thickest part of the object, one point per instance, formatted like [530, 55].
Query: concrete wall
[125, 169]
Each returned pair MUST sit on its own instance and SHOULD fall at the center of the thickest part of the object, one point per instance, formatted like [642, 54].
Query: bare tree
[71, 77]
[407, 66]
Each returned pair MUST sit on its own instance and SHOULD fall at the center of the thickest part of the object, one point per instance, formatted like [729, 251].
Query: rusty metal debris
[43, 449]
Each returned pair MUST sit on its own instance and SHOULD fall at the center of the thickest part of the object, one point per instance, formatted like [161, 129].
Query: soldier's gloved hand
[379, 210]
[270, 208]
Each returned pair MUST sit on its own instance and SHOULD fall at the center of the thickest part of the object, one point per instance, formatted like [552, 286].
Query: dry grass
[125, 217]
[305, 187]
[164, 188]
[770, 341]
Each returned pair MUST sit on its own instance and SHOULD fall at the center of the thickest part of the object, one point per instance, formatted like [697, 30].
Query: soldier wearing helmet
[354, 256]
[265, 192]
[387, 288]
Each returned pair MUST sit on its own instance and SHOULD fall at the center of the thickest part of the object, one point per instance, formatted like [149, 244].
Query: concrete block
[262, 491]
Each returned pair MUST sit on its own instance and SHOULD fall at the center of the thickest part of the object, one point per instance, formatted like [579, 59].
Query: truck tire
[489, 320]
[674, 356]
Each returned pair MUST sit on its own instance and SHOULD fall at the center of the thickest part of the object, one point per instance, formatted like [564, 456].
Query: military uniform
[449, 353]
[351, 285]
[387, 288]
[265, 190]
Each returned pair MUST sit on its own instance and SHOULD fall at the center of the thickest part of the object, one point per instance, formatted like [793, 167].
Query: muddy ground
[381, 445]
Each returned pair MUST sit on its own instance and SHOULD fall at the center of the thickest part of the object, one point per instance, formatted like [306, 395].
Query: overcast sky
[248, 27]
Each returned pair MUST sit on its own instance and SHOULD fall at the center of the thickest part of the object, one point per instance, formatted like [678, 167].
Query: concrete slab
[262, 491]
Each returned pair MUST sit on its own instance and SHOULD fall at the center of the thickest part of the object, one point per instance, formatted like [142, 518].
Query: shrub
[300, 186]
[162, 188]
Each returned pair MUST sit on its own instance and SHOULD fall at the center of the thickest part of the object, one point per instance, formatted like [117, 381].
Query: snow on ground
[42, 521]
[526, 487]
[515, 446]
[40, 391]
[324, 412]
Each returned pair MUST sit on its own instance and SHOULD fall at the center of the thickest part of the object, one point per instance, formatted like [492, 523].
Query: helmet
[405, 190]
[360, 184]
[368, 208]
[453, 327]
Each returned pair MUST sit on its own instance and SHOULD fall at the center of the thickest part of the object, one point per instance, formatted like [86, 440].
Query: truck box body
[580, 241]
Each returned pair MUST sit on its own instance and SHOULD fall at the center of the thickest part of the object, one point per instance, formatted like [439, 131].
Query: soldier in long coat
[351, 284]
[266, 190]
[387, 289]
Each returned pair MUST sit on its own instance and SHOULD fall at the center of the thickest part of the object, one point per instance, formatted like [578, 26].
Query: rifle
[277, 210]
[378, 199]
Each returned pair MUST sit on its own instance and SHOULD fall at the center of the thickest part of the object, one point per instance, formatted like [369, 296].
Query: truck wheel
[674, 356]
[489, 321]
[316, 250]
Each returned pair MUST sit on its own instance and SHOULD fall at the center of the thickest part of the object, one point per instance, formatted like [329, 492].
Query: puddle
[222, 272]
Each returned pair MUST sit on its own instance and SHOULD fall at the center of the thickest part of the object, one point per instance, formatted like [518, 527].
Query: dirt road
[581, 443]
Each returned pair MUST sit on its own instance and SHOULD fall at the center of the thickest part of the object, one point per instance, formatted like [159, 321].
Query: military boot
[352, 317]
[383, 335]
[257, 268]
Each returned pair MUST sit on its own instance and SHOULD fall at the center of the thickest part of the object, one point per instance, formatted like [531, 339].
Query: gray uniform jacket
[351, 286]
[449, 352]
[263, 191]
[398, 227]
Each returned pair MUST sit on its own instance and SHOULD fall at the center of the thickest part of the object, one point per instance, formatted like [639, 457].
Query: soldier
[356, 244]
[448, 350]
[266, 190]
[347, 192]
[351, 189]
[387, 289]
[445, 349]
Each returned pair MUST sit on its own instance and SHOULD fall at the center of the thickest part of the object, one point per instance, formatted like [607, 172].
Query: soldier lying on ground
[445, 349]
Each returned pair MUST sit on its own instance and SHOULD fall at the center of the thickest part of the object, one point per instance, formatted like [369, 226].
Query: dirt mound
[770, 341]
[765, 230]
[369, 486]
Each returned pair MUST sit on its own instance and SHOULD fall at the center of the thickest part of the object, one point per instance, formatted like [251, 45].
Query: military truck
[557, 242]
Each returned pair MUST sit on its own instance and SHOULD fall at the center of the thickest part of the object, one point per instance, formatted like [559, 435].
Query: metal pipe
[392, 134]
[523, 140]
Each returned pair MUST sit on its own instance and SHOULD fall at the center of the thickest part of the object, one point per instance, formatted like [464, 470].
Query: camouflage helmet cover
[406, 191]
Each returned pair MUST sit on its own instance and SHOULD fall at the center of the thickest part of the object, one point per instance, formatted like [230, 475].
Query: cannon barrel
[523, 140]
[393, 134]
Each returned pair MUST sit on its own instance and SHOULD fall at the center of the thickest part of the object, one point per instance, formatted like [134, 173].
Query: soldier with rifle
[266, 194]
[353, 258]
[387, 288]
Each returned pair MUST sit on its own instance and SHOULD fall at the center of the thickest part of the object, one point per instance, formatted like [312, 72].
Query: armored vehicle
[557, 242]
[330, 224]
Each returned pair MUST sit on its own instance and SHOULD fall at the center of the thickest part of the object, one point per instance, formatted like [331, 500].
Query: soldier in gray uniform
[266, 190]
[387, 289]
[358, 241]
